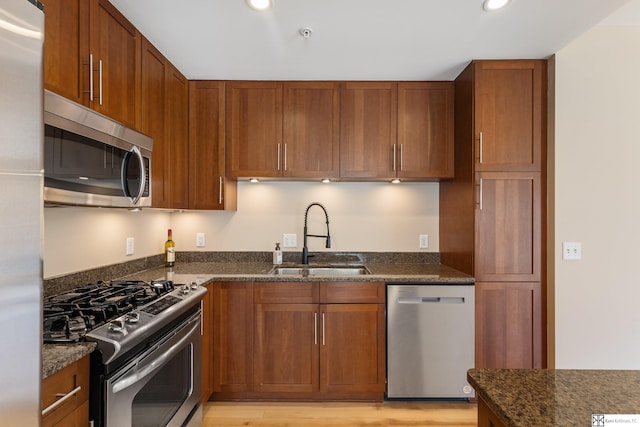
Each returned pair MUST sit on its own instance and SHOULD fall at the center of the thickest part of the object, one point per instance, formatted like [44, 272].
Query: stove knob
[185, 290]
[132, 317]
[116, 326]
[194, 285]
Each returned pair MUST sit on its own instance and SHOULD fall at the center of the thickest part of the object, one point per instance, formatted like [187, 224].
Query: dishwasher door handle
[440, 300]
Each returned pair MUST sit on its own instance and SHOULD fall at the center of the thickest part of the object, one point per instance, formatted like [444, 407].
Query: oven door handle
[144, 369]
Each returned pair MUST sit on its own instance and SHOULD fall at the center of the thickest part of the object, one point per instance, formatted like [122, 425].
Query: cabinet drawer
[352, 292]
[286, 292]
[70, 386]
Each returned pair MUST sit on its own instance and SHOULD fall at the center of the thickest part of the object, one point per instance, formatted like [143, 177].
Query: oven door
[160, 387]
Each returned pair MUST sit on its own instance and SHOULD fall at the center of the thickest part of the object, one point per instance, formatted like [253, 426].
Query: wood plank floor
[395, 414]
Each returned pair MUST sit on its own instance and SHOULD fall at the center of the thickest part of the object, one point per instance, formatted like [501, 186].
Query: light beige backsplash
[374, 217]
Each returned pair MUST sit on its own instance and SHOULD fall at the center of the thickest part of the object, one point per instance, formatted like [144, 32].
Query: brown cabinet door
[311, 145]
[368, 129]
[254, 129]
[486, 417]
[154, 71]
[66, 48]
[74, 412]
[178, 133]
[425, 130]
[208, 187]
[286, 343]
[352, 348]
[233, 325]
[508, 325]
[207, 344]
[509, 122]
[508, 226]
[115, 45]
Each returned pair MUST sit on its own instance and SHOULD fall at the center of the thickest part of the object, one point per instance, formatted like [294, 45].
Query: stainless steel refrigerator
[21, 211]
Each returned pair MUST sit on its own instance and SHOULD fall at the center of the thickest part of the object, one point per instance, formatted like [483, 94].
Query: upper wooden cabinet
[254, 129]
[277, 129]
[368, 129]
[165, 117]
[155, 69]
[66, 48]
[425, 130]
[208, 186]
[177, 106]
[92, 56]
[311, 144]
[509, 102]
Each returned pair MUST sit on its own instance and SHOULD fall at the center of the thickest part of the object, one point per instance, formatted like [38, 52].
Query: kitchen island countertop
[556, 398]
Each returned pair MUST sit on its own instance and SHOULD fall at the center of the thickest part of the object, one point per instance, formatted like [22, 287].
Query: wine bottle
[169, 251]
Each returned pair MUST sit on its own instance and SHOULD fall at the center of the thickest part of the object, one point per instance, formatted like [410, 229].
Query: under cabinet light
[254, 180]
[395, 181]
[326, 180]
[491, 5]
[259, 4]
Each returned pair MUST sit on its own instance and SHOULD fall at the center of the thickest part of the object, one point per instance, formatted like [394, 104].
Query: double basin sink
[313, 270]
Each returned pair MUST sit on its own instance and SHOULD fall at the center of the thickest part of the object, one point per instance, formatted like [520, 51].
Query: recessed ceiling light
[259, 4]
[491, 5]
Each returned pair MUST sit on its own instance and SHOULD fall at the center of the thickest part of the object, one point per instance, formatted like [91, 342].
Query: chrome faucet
[305, 251]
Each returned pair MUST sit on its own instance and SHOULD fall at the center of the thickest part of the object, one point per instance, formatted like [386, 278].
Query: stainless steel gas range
[147, 369]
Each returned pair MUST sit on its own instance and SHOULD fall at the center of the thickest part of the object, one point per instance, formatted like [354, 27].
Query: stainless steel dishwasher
[430, 341]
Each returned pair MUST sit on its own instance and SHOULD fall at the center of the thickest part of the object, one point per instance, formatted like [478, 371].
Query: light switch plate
[130, 246]
[289, 240]
[201, 240]
[571, 251]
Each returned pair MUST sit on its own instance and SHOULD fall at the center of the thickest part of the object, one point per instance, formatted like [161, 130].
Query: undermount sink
[321, 271]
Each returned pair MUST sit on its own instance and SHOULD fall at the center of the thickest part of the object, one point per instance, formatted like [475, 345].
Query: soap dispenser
[277, 255]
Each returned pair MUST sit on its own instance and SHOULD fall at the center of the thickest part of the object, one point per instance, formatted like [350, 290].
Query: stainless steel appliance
[147, 370]
[91, 160]
[21, 43]
[430, 341]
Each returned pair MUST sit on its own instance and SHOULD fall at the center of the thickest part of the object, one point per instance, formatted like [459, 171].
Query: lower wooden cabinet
[486, 417]
[508, 325]
[311, 340]
[70, 387]
[207, 344]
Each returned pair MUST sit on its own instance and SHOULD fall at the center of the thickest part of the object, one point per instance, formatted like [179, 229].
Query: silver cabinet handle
[323, 341]
[394, 156]
[220, 192]
[401, 158]
[278, 156]
[63, 398]
[480, 147]
[315, 328]
[285, 157]
[100, 77]
[480, 193]
[91, 77]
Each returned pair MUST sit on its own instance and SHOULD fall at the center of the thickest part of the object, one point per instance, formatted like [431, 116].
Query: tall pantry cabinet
[492, 212]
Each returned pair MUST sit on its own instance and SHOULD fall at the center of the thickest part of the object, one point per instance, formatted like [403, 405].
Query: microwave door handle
[143, 176]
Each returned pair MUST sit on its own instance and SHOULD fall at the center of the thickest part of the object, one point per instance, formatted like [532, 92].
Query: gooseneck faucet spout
[305, 251]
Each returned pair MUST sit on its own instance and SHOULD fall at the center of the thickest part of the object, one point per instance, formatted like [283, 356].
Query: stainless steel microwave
[92, 160]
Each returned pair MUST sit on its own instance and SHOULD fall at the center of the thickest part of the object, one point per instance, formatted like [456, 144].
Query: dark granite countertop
[259, 272]
[556, 398]
[58, 356]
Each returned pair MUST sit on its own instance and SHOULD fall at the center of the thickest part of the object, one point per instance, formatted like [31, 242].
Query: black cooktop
[70, 315]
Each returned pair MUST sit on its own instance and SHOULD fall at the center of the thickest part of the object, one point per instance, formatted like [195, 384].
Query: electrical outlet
[130, 243]
[289, 240]
[201, 240]
[571, 251]
[424, 241]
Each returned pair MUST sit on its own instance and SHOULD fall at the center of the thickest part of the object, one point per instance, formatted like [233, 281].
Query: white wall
[597, 200]
[375, 217]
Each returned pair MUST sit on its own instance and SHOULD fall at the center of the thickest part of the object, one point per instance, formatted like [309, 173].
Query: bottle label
[171, 254]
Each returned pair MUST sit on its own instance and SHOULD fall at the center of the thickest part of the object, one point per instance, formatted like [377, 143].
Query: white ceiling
[358, 39]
